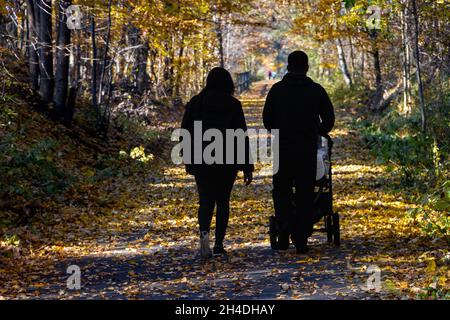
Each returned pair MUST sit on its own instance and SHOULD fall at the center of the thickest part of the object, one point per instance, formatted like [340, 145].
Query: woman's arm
[187, 121]
[240, 123]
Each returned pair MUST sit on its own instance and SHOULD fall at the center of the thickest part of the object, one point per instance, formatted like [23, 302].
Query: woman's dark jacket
[216, 110]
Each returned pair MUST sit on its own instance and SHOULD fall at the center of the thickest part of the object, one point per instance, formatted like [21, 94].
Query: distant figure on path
[216, 108]
[301, 110]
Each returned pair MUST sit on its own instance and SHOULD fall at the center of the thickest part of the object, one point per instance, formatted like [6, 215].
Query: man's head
[298, 62]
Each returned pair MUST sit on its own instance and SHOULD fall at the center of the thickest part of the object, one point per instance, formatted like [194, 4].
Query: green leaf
[349, 4]
[442, 205]
[447, 193]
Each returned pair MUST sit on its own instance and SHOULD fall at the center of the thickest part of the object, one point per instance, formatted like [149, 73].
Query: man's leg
[282, 200]
[304, 180]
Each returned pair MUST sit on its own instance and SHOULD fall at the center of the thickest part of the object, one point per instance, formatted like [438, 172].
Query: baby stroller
[323, 198]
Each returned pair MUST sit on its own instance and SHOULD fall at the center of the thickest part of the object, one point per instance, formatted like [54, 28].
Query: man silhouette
[301, 110]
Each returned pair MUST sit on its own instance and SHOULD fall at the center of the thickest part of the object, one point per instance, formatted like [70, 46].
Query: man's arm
[326, 112]
[268, 112]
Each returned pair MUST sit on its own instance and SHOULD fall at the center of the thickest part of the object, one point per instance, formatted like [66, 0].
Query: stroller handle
[327, 136]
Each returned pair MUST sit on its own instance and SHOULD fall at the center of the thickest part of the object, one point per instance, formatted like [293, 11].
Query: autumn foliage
[86, 116]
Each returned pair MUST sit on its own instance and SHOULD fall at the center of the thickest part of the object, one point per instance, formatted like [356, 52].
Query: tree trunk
[220, 41]
[343, 63]
[217, 19]
[9, 29]
[94, 67]
[352, 58]
[386, 98]
[142, 77]
[132, 40]
[62, 64]
[406, 60]
[141, 56]
[363, 63]
[418, 69]
[106, 111]
[3, 31]
[33, 60]
[154, 79]
[45, 51]
[378, 96]
[179, 72]
[168, 71]
[105, 57]
[75, 73]
[23, 32]
[377, 67]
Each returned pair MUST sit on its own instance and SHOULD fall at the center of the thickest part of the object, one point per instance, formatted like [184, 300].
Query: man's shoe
[302, 249]
[273, 232]
[219, 250]
[283, 242]
[205, 249]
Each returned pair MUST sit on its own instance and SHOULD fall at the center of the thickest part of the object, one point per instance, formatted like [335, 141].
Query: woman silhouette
[216, 108]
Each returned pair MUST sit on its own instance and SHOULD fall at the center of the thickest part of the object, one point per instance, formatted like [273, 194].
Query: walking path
[158, 259]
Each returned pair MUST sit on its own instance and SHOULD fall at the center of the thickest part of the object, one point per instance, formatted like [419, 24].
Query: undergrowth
[418, 163]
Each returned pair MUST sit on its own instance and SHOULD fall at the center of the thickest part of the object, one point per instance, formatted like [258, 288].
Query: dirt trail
[159, 260]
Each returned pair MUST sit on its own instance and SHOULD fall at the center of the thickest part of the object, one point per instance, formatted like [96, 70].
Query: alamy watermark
[373, 15]
[74, 280]
[373, 282]
[74, 17]
[373, 22]
[234, 146]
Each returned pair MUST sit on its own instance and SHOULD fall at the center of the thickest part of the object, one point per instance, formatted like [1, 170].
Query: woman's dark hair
[220, 79]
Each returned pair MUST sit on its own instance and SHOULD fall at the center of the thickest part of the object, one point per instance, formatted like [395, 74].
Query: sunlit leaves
[139, 154]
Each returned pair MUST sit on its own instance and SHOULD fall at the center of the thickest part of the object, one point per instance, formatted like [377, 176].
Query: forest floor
[147, 249]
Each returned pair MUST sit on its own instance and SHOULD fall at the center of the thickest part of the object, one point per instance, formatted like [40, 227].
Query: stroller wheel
[329, 228]
[336, 230]
[273, 233]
